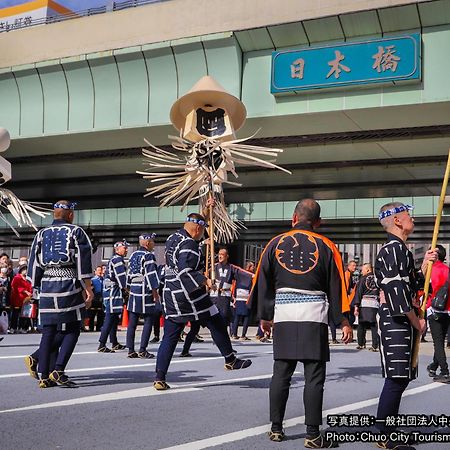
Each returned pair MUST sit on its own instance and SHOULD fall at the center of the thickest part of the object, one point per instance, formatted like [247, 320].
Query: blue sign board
[350, 63]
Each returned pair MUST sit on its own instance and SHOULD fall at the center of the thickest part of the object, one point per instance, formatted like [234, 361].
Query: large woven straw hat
[207, 91]
[4, 139]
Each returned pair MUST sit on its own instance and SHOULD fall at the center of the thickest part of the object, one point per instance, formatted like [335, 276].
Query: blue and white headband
[123, 243]
[200, 222]
[146, 236]
[395, 210]
[64, 206]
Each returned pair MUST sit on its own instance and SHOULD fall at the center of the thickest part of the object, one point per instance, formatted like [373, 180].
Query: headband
[146, 236]
[123, 243]
[200, 222]
[396, 210]
[70, 205]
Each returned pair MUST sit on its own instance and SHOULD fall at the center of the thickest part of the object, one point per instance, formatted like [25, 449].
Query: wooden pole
[437, 224]
[207, 261]
[211, 240]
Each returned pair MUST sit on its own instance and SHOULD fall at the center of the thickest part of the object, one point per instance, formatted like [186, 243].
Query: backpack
[439, 302]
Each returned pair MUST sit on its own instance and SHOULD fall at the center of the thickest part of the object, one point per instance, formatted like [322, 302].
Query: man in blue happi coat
[114, 294]
[60, 268]
[186, 299]
[143, 283]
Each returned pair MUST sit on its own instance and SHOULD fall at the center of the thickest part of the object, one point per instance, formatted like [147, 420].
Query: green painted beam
[56, 104]
[9, 103]
[31, 102]
[191, 65]
[108, 97]
[162, 73]
[81, 95]
[134, 88]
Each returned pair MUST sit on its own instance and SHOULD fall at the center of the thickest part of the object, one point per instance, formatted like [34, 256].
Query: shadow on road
[135, 377]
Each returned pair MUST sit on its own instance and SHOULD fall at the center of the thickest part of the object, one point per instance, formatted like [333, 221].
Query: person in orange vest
[299, 288]
[348, 275]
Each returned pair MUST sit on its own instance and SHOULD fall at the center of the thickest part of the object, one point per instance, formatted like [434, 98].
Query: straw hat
[4, 139]
[207, 91]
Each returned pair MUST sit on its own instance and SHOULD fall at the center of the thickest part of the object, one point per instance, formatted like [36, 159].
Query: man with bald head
[60, 269]
[398, 322]
[299, 289]
[143, 283]
[186, 299]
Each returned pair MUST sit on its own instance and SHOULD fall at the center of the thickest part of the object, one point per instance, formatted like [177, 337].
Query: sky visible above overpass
[74, 5]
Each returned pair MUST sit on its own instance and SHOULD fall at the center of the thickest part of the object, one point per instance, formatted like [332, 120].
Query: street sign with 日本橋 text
[387, 60]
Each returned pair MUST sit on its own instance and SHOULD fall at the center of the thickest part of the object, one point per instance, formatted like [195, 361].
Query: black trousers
[315, 372]
[389, 403]
[109, 328]
[91, 314]
[439, 329]
[361, 333]
[51, 341]
[333, 330]
[133, 319]
[156, 324]
[17, 322]
[235, 325]
[172, 332]
[190, 337]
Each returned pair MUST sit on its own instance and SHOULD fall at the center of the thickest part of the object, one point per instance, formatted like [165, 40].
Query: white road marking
[134, 393]
[131, 393]
[126, 366]
[250, 432]
[23, 356]
[87, 353]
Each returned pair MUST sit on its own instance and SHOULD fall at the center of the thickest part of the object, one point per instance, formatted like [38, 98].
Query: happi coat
[60, 261]
[226, 276]
[114, 284]
[185, 297]
[399, 282]
[242, 287]
[300, 285]
[367, 298]
[142, 278]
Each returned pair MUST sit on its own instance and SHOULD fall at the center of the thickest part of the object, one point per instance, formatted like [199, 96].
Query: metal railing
[24, 22]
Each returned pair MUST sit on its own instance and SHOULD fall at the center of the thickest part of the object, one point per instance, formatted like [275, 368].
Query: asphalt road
[115, 406]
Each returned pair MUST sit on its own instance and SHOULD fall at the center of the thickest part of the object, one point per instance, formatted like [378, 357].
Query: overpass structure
[79, 97]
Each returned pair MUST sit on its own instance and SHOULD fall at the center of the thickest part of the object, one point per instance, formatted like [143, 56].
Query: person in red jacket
[439, 320]
[21, 290]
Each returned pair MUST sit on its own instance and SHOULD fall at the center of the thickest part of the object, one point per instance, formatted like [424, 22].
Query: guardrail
[24, 22]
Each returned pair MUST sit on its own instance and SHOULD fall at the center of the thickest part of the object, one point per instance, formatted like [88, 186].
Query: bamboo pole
[211, 240]
[207, 262]
[437, 224]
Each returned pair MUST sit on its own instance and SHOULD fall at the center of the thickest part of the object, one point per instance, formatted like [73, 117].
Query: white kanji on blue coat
[55, 243]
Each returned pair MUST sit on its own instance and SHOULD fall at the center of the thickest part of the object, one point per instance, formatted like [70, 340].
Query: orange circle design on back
[297, 252]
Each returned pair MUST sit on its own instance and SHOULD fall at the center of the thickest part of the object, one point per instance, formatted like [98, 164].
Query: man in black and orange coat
[299, 287]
